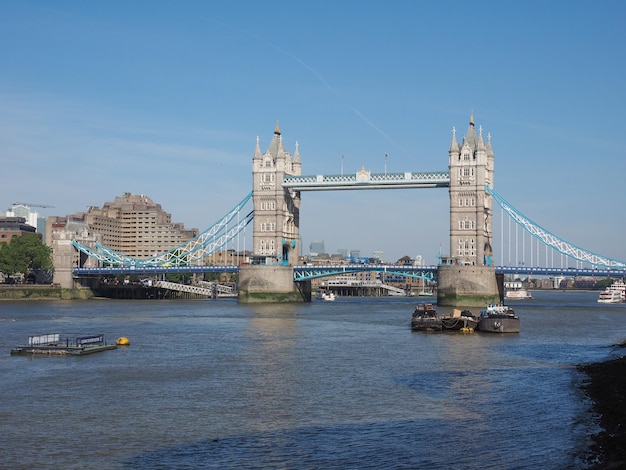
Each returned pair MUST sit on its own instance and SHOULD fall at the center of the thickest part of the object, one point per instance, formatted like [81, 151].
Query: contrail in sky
[325, 83]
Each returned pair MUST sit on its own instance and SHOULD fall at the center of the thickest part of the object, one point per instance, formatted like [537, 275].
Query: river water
[344, 384]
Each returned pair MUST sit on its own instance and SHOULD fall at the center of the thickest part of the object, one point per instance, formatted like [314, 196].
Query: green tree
[604, 283]
[25, 254]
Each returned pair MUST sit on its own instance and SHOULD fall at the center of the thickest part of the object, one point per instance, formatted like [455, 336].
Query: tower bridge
[467, 276]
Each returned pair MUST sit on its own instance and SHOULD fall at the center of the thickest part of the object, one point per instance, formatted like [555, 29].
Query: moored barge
[464, 321]
[425, 318]
[498, 319]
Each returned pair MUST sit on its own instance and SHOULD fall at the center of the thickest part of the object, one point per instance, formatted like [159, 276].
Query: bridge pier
[267, 283]
[467, 286]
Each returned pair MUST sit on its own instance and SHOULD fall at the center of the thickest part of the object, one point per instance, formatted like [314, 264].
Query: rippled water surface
[344, 384]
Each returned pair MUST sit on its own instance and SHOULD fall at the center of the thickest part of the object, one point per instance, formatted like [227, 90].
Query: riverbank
[606, 387]
[42, 292]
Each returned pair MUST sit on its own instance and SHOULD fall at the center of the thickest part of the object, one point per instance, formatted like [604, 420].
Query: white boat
[515, 291]
[517, 294]
[610, 297]
[614, 294]
[325, 295]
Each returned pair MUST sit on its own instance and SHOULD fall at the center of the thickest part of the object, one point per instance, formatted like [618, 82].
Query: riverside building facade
[131, 224]
[136, 226]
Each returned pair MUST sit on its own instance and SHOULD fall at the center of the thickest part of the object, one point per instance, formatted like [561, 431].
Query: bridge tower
[471, 211]
[467, 276]
[276, 210]
[276, 232]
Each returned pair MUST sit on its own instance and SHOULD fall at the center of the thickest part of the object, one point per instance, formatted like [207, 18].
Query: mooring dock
[56, 344]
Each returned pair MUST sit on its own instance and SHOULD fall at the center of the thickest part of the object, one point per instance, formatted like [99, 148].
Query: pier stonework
[467, 277]
[276, 232]
[263, 283]
[466, 286]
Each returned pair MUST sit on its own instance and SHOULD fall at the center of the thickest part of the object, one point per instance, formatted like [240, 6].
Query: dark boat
[425, 318]
[498, 319]
[458, 320]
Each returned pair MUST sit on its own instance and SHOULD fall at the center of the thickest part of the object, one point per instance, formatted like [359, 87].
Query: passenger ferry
[614, 294]
[515, 291]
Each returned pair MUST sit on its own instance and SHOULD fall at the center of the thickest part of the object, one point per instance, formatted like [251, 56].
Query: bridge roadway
[301, 273]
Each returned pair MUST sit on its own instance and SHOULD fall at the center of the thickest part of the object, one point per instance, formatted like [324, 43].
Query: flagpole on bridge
[386, 155]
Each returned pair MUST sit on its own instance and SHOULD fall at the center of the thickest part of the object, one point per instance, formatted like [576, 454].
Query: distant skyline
[167, 99]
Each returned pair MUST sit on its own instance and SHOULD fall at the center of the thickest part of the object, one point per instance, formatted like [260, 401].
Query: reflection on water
[344, 384]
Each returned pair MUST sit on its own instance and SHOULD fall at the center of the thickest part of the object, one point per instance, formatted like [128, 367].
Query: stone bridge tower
[276, 210]
[467, 276]
[471, 211]
[276, 232]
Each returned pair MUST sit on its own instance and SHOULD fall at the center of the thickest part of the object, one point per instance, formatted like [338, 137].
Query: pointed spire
[454, 145]
[275, 148]
[489, 149]
[257, 150]
[481, 144]
[296, 156]
[470, 137]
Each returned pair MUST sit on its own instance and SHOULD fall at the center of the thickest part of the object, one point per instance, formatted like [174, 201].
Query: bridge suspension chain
[552, 240]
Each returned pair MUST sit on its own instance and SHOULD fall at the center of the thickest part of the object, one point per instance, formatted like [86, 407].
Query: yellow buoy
[123, 341]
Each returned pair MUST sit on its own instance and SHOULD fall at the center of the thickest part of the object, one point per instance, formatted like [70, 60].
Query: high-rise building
[316, 247]
[134, 225]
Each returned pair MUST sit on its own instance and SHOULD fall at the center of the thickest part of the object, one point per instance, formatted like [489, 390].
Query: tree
[603, 283]
[25, 254]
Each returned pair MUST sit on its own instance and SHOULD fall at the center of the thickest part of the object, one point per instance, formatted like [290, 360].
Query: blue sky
[167, 99]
